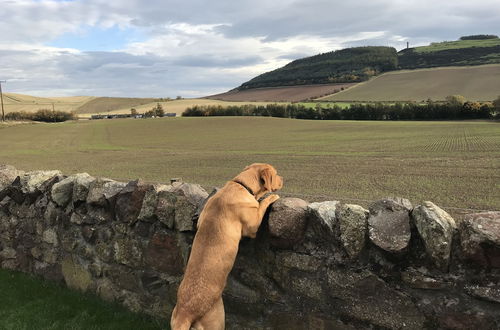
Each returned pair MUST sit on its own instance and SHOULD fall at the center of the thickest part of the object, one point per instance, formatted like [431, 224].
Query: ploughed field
[281, 94]
[454, 164]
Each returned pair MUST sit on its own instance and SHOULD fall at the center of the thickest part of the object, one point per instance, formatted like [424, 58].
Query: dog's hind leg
[214, 319]
[177, 322]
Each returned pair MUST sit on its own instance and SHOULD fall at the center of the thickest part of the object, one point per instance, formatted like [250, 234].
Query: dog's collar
[244, 186]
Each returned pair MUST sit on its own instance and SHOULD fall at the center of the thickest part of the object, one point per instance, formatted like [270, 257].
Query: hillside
[85, 106]
[478, 83]
[14, 102]
[341, 66]
[19, 102]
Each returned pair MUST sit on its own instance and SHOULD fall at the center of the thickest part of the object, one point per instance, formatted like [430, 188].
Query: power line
[1, 98]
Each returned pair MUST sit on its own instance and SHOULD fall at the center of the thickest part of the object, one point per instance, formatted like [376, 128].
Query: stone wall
[322, 265]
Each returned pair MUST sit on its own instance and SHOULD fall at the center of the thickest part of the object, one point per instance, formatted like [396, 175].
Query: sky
[193, 48]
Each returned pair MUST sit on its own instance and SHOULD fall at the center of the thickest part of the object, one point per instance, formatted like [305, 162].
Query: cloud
[195, 48]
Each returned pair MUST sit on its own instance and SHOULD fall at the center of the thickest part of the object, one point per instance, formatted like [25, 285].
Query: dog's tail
[177, 322]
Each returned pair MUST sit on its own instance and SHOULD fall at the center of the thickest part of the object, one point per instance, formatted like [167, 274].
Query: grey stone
[52, 214]
[165, 208]
[287, 221]
[163, 254]
[96, 215]
[132, 301]
[4, 203]
[418, 280]
[75, 275]
[7, 175]
[353, 227]
[8, 253]
[389, 224]
[364, 296]
[488, 293]
[193, 192]
[76, 218]
[36, 252]
[129, 201]
[31, 181]
[50, 256]
[436, 228]
[185, 214]
[62, 191]
[128, 252]
[105, 252]
[103, 190]
[306, 286]
[480, 238]
[11, 264]
[237, 291]
[107, 290]
[50, 236]
[302, 262]
[189, 198]
[150, 202]
[81, 186]
[466, 320]
[325, 211]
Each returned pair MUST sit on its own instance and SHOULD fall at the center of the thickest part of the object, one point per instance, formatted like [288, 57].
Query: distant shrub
[157, 111]
[17, 115]
[44, 115]
[47, 115]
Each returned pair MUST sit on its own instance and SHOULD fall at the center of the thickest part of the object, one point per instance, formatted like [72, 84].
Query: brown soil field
[281, 94]
[107, 104]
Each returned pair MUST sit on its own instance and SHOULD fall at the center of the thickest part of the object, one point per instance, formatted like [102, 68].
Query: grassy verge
[27, 302]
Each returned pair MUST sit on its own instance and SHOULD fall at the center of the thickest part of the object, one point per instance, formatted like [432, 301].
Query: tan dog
[233, 212]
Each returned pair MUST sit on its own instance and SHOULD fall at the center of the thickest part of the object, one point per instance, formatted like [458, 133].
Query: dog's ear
[266, 177]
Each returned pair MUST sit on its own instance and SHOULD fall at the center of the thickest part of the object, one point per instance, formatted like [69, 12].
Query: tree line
[412, 59]
[429, 110]
[479, 37]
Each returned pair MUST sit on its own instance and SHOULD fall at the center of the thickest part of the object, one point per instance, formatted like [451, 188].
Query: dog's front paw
[272, 198]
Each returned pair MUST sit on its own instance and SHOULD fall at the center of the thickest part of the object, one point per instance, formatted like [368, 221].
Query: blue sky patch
[93, 38]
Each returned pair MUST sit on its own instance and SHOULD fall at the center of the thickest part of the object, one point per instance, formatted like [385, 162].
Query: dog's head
[261, 178]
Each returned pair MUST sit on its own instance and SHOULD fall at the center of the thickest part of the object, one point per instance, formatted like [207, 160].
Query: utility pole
[1, 98]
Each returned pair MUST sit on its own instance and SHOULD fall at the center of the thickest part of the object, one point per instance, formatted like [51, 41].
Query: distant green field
[455, 164]
[445, 45]
[476, 83]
